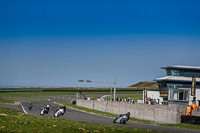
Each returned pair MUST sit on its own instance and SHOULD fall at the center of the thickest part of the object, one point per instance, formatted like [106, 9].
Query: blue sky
[56, 43]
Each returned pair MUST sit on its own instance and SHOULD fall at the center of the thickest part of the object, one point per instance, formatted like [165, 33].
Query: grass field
[57, 93]
[10, 97]
[13, 121]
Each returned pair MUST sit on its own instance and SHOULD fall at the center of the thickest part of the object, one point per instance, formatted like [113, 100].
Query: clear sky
[56, 43]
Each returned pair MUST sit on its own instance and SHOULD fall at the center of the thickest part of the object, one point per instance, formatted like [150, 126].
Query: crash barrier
[190, 119]
[156, 113]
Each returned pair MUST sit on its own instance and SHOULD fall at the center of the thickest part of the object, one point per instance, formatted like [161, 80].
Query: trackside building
[175, 88]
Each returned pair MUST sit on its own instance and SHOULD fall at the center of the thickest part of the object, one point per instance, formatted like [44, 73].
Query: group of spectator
[118, 99]
[126, 100]
[151, 101]
[129, 100]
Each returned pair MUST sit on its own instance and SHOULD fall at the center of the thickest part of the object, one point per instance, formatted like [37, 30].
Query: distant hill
[147, 85]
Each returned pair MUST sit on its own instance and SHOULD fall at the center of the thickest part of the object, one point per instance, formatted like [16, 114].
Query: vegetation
[6, 101]
[33, 94]
[13, 121]
[64, 88]
[147, 85]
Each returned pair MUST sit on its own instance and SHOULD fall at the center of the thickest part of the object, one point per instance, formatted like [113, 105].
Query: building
[175, 88]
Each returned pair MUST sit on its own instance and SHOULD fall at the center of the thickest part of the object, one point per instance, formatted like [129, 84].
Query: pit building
[175, 88]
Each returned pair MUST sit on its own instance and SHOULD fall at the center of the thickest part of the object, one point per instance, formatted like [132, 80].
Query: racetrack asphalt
[76, 115]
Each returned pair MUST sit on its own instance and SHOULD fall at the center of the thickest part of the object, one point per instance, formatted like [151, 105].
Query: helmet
[47, 105]
[128, 113]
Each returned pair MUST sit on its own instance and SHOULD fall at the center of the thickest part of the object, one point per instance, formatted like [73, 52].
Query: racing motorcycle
[122, 118]
[59, 111]
[44, 111]
[30, 106]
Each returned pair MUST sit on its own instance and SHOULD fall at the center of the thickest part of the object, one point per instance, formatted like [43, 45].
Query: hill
[147, 85]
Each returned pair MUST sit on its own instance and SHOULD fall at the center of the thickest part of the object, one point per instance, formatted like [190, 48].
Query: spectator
[133, 101]
[125, 99]
[119, 100]
[112, 99]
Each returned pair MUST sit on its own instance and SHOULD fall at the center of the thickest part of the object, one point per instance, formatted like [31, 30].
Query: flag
[193, 88]
[145, 95]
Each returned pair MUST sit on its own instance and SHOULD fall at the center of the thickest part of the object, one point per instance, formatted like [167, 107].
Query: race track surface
[72, 114]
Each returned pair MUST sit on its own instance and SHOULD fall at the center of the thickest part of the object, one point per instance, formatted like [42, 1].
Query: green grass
[57, 93]
[6, 101]
[13, 121]
[30, 94]
[185, 126]
[148, 85]
[71, 88]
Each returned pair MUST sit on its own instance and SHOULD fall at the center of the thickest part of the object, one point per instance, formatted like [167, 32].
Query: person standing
[194, 106]
[189, 109]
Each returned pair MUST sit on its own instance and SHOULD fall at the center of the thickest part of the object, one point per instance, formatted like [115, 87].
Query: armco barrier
[158, 113]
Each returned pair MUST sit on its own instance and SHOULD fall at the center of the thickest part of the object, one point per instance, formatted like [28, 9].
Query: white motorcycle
[59, 112]
[121, 119]
[43, 111]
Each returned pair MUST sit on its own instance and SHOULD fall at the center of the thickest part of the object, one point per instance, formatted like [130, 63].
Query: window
[176, 94]
[176, 72]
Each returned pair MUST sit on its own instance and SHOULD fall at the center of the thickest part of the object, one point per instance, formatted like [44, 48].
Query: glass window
[186, 95]
[168, 73]
[172, 72]
[175, 72]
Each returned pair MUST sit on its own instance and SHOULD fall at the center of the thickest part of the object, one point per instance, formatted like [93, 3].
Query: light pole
[105, 82]
[115, 87]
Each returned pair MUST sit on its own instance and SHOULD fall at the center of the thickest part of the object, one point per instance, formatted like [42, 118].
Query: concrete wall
[157, 113]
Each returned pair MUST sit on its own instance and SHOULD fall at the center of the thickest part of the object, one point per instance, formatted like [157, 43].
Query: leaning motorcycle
[43, 111]
[59, 112]
[122, 118]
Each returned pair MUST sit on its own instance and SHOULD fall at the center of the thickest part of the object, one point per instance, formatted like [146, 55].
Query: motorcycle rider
[122, 118]
[30, 106]
[47, 108]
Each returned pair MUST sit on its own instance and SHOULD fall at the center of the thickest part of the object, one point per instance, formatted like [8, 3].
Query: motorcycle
[59, 112]
[44, 111]
[30, 107]
[122, 118]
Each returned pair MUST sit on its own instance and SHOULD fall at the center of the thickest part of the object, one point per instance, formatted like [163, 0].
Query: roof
[177, 78]
[183, 67]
